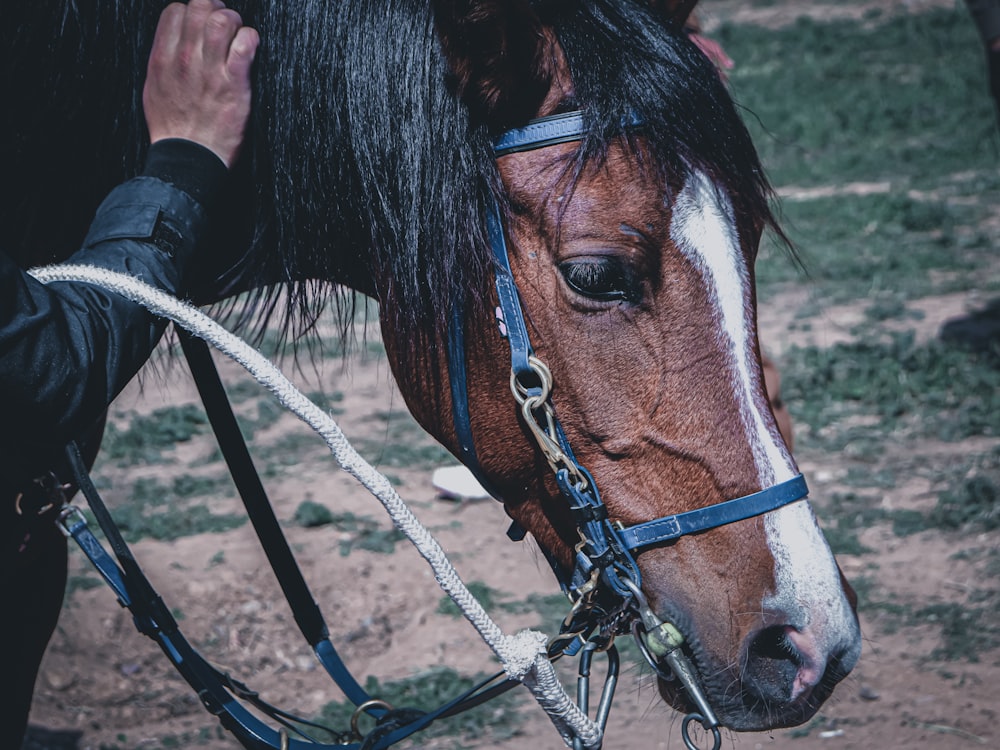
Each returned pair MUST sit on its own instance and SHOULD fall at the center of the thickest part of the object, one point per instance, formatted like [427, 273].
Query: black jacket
[67, 349]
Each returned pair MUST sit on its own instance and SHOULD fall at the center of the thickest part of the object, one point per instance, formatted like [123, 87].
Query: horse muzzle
[784, 675]
[788, 673]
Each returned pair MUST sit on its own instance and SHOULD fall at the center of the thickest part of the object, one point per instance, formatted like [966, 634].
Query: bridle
[604, 583]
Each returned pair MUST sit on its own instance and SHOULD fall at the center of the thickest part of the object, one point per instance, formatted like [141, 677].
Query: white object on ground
[458, 483]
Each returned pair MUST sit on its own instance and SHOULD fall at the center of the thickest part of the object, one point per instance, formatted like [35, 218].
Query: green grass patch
[165, 511]
[906, 97]
[843, 540]
[266, 412]
[868, 390]
[888, 114]
[362, 532]
[311, 514]
[148, 437]
[328, 402]
[288, 451]
[887, 248]
[967, 630]
[402, 444]
[968, 501]
[972, 504]
[243, 390]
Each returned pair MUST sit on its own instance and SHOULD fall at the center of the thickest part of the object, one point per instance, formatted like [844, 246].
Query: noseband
[604, 560]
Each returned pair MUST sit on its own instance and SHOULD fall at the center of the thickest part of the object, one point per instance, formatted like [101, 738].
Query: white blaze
[806, 577]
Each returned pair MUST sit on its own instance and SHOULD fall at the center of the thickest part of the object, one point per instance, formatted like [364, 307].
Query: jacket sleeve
[67, 349]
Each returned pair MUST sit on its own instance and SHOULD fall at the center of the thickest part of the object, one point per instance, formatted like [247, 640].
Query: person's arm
[67, 349]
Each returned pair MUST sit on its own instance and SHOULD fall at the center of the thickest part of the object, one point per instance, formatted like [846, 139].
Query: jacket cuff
[188, 166]
[161, 218]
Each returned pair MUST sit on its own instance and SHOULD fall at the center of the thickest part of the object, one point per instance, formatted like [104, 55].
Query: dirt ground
[104, 680]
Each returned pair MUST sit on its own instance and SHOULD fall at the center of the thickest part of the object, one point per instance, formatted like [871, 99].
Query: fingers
[219, 31]
[242, 52]
[196, 15]
[168, 32]
[196, 33]
[198, 79]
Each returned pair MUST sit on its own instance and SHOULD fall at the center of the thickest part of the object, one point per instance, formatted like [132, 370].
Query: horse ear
[677, 11]
[499, 55]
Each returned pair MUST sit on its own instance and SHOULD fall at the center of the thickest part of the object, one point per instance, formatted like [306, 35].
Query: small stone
[130, 669]
[868, 693]
[59, 680]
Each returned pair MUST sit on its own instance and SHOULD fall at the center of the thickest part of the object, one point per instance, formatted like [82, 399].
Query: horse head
[631, 243]
[632, 246]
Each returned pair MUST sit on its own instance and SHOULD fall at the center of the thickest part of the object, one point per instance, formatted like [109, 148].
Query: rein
[605, 582]
[524, 655]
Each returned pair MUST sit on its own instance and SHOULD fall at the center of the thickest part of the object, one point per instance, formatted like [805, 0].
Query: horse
[377, 164]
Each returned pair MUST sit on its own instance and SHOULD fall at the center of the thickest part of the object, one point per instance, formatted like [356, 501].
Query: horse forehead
[549, 183]
[704, 220]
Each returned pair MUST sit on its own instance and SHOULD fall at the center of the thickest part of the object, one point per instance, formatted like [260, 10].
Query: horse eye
[605, 280]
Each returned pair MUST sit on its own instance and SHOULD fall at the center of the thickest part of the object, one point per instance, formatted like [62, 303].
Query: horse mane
[364, 161]
[627, 62]
[68, 91]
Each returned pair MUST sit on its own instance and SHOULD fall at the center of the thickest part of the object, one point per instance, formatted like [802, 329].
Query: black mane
[626, 62]
[362, 159]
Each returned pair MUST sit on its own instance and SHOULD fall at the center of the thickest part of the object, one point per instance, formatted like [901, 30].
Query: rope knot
[521, 651]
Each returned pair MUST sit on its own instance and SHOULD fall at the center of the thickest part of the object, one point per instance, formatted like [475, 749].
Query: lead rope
[523, 655]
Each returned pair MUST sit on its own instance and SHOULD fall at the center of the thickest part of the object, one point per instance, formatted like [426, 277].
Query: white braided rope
[522, 655]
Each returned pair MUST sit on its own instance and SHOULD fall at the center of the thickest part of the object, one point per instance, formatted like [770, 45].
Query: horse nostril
[772, 665]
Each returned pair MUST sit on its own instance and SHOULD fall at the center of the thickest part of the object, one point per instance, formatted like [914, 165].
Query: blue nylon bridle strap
[669, 528]
[510, 302]
[545, 131]
[566, 127]
[606, 546]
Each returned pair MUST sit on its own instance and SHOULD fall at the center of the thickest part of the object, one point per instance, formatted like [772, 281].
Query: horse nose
[785, 664]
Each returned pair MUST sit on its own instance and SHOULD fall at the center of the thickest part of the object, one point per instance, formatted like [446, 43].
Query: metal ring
[544, 376]
[62, 520]
[686, 733]
[373, 703]
[652, 661]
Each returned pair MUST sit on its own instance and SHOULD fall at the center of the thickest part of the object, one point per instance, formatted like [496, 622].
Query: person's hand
[198, 80]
